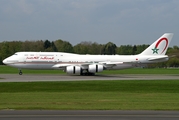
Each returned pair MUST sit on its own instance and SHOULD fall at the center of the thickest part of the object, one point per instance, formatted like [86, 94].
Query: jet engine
[74, 70]
[95, 68]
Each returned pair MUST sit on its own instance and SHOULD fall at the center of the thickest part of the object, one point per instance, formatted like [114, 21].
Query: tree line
[8, 48]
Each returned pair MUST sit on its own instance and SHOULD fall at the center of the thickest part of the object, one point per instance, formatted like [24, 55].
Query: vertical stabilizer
[160, 46]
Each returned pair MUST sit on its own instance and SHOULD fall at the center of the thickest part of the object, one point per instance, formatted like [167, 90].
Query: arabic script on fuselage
[40, 58]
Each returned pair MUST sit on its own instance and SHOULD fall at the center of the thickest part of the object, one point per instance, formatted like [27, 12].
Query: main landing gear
[87, 74]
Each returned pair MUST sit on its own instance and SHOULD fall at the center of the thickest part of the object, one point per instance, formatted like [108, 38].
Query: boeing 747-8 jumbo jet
[89, 64]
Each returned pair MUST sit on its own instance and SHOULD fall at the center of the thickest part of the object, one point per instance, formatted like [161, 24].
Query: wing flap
[110, 64]
[60, 65]
[114, 63]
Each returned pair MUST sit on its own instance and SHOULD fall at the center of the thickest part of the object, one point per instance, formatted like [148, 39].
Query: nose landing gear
[20, 72]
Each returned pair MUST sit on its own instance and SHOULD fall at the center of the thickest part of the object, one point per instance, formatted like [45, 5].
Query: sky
[122, 22]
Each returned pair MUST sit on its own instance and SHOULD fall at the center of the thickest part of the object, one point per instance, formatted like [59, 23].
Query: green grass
[10, 70]
[91, 95]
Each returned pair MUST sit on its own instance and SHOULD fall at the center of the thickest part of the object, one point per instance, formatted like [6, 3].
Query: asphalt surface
[88, 115]
[58, 77]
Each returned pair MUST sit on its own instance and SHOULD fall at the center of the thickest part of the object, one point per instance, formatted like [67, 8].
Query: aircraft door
[21, 58]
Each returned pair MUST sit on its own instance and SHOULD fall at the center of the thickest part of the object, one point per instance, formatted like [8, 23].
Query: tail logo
[155, 50]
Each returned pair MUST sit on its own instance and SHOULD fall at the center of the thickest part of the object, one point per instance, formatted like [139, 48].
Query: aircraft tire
[20, 73]
[88, 74]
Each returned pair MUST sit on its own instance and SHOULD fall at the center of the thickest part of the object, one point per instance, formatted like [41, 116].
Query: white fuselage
[47, 60]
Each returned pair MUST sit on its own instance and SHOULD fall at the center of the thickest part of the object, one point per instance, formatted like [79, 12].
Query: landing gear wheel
[20, 72]
[88, 74]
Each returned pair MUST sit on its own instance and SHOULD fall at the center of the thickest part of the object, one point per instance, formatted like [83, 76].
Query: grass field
[91, 95]
[11, 70]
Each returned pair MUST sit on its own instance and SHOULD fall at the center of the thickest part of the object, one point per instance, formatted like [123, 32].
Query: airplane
[83, 64]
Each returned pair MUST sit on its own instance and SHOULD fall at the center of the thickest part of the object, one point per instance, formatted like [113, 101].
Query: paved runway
[88, 115]
[58, 77]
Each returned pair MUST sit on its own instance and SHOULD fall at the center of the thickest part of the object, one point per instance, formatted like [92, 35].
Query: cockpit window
[15, 54]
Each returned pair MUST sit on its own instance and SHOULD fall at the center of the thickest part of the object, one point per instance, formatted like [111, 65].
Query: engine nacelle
[73, 70]
[95, 68]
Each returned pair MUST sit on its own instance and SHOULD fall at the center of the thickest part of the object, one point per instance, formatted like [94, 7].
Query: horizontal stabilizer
[158, 58]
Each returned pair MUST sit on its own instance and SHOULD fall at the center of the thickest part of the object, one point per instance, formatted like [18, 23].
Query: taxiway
[87, 115]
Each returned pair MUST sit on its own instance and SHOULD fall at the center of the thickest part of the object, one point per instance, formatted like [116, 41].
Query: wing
[85, 65]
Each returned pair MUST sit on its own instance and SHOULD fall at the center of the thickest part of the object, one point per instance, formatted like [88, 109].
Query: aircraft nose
[5, 61]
